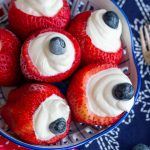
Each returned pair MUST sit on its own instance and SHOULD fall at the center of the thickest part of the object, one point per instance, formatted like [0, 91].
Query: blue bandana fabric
[136, 127]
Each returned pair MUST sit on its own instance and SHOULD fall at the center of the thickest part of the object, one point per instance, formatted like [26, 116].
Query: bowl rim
[26, 145]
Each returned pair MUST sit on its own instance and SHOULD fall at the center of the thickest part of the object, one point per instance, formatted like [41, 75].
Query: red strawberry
[8, 145]
[31, 72]
[77, 96]
[23, 24]
[1, 11]
[10, 73]
[90, 54]
[21, 106]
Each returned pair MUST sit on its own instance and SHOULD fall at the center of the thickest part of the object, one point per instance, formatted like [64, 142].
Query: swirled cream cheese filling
[102, 36]
[99, 93]
[47, 63]
[48, 8]
[53, 108]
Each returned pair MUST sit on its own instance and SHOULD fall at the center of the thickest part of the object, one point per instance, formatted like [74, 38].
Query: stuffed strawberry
[37, 113]
[99, 94]
[27, 16]
[98, 34]
[10, 48]
[50, 56]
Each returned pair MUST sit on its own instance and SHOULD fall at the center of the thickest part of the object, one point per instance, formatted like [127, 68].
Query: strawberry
[90, 54]
[77, 96]
[10, 47]
[22, 104]
[8, 145]
[32, 72]
[24, 24]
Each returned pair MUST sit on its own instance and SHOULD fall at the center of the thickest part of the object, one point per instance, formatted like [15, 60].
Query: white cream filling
[48, 8]
[101, 35]
[46, 62]
[99, 93]
[53, 108]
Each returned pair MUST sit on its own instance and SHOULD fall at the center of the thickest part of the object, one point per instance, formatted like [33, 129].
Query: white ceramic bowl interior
[82, 133]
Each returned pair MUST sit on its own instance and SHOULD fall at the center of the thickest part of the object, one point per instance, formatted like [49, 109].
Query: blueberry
[111, 19]
[123, 91]
[58, 126]
[141, 147]
[57, 46]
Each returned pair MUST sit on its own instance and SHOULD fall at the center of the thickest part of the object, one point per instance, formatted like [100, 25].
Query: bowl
[80, 133]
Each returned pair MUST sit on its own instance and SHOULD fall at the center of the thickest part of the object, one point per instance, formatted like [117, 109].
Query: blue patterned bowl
[81, 133]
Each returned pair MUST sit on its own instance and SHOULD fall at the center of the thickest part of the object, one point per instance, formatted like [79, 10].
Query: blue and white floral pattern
[108, 141]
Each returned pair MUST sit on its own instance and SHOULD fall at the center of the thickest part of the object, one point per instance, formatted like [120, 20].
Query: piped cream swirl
[46, 62]
[102, 36]
[53, 108]
[99, 93]
[47, 8]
